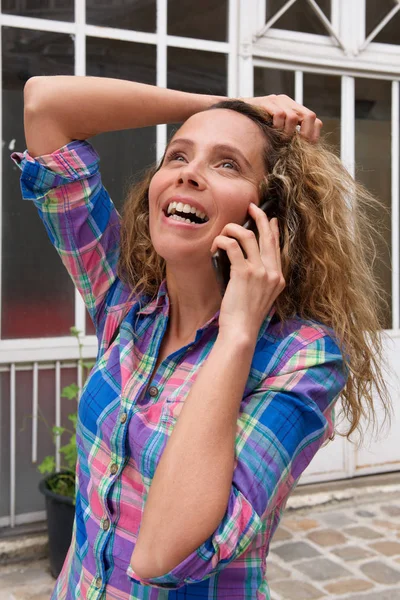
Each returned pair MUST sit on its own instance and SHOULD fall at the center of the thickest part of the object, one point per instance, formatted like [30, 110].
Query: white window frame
[320, 54]
[44, 349]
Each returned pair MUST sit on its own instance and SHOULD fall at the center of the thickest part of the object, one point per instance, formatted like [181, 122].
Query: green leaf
[75, 331]
[88, 365]
[70, 391]
[57, 430]
[70, 453]
[48, 465]
[63, 484]
[73, 418]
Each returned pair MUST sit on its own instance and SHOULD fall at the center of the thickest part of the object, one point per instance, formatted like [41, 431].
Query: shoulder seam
[299, 346]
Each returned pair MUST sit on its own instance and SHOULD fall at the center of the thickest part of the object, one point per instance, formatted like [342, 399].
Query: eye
[174, 155]
[230, 164]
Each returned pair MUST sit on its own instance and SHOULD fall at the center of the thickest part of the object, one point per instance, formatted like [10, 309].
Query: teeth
[186, 208]
[177, 218]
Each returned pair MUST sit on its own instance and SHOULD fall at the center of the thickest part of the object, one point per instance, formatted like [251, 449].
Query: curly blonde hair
[327, 253]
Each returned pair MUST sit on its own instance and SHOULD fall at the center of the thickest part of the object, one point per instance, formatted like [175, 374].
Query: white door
[342, 60]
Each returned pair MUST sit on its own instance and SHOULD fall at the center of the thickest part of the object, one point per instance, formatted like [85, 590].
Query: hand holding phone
[220, 260]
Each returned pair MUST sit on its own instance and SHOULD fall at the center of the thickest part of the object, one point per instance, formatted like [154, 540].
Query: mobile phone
[220, 260]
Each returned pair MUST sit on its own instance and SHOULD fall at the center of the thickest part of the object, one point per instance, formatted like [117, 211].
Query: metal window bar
[35, 405]
[298, 86]
[347, 133]
[12, 445]
[395, 205]
[162, 7]
[35, 367]
[79, 69]
[233, 41]
[58, 413]
[1, 172]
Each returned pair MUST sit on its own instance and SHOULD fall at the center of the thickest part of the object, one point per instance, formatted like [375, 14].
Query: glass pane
[273, 81]
[5, 444]
[124, 155]
[197, 71]
[390, 34]
[375, 12]
[59, 10]
[37, 292]
[373, 161]
[207, 20]
[300, 16]
[134, 15]
[322, 94]
[90, 329]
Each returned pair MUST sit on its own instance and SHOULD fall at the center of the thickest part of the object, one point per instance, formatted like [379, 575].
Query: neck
[194, 298]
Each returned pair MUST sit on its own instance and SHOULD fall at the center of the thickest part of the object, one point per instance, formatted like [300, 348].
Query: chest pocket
[176, 392]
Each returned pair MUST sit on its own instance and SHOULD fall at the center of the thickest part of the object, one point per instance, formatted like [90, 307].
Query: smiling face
[214, 164]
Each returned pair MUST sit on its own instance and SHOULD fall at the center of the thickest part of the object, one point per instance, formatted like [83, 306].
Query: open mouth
[185, 213]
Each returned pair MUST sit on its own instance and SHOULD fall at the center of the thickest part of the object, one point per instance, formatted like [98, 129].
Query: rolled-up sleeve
[79, 216]
[281, 426]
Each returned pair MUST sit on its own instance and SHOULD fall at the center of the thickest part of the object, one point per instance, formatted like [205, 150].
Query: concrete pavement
[337, 543]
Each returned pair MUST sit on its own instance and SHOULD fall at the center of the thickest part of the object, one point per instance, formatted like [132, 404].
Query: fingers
[317, 130]
[265, 254]
[242, 239]
[287, 115]
[231, 247]
[269, 248]
[295, 114]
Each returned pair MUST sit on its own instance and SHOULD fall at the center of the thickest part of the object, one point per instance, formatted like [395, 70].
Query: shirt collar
[162, 302]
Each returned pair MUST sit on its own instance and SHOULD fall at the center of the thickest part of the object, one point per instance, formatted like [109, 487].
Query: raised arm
[60, 108]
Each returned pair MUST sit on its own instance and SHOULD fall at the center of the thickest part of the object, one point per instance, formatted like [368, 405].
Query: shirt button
[106, 524]
[153, 391]
[99, 582]
[113, 468]
[123, 418]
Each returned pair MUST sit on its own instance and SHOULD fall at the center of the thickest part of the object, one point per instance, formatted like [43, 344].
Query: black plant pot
[60, 512]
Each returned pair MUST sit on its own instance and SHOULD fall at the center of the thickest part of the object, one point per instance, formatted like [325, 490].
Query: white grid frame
[80, 30]
[277, 48]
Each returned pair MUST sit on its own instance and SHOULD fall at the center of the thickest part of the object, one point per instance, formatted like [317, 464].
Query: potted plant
[58, 487]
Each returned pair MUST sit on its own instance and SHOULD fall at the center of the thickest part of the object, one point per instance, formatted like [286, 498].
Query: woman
[201, 412]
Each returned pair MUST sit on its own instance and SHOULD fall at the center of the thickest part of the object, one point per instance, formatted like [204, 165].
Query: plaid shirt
[286, 414]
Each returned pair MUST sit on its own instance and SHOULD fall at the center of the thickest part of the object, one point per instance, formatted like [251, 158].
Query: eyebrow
[218, 147]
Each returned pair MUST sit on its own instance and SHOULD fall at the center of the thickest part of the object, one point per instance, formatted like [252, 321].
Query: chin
[182, 255]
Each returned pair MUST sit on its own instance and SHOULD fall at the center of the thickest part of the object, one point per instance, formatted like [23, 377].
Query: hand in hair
[288, 114]
[255, 281]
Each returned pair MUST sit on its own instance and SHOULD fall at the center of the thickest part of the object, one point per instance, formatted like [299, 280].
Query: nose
[191, 176]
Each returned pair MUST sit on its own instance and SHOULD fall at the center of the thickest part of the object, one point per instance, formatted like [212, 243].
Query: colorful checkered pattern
[287, 411]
